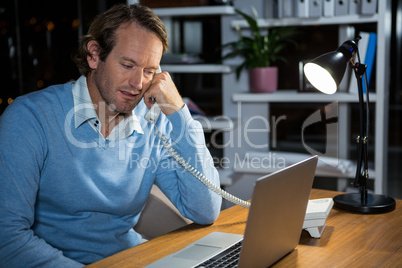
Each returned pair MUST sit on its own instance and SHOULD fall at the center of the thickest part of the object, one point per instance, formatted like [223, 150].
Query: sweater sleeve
[22, 154]
[193, 199]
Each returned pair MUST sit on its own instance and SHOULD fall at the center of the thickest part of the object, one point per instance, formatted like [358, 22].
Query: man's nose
[136, 79]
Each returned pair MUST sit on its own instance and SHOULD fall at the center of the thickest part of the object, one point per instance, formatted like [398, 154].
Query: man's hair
[103, 30]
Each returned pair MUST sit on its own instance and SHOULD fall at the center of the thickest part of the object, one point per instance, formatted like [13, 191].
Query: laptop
[273, 228]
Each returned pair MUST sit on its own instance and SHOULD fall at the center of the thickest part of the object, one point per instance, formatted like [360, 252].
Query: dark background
[38, 37]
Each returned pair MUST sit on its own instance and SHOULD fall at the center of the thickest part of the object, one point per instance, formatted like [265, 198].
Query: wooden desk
[349, 240]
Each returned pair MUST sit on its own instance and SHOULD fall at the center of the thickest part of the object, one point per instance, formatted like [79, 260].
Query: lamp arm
[362, 176]
[359, 139]
[366, 142]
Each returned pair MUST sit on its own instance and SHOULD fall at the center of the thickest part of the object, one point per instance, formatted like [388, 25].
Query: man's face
[129, 68]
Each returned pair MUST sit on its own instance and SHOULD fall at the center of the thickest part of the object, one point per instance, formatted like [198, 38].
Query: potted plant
[260, 52]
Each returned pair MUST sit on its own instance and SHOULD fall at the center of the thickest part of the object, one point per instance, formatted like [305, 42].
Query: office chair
[159, 217]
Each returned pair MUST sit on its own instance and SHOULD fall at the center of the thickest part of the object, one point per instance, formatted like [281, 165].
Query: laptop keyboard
[227, 258]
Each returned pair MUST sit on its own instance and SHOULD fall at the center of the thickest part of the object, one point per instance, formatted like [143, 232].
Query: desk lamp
[325, 73]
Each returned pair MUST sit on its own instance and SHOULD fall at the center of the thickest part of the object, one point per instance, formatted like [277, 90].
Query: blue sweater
[70, 197]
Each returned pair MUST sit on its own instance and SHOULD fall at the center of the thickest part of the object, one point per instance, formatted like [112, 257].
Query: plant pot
[263, 80]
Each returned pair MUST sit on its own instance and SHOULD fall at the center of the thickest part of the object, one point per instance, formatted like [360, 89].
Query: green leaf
[259, 50]
[251, 22]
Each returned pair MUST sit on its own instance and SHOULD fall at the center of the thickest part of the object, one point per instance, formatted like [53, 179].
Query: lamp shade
[326, 71]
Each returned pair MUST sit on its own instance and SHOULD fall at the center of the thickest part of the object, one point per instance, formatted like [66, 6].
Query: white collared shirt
[84, 111]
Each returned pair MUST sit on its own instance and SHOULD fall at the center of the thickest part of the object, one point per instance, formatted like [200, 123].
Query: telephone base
[316, 232]
[316, 216]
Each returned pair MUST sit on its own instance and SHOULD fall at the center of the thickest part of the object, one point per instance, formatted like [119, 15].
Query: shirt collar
[84, 111]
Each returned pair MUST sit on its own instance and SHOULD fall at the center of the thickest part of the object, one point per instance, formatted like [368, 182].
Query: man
[77, 161]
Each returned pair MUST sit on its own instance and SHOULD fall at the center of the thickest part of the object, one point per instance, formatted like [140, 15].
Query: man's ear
[93, 59]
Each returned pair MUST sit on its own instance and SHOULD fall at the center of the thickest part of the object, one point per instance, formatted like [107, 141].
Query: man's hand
[164, 92]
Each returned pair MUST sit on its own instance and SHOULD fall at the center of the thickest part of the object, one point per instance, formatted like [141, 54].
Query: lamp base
[376, 204]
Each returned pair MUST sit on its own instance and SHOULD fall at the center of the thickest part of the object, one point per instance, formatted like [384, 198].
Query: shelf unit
[194, 11]
[292, 96]
[346, 19]
[168, 15]
[196, 68]
[240, 105]
[382, 19]
[214, 123]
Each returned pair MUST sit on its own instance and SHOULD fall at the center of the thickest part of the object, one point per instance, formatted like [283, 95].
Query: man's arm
[193, 199]
[22, 153]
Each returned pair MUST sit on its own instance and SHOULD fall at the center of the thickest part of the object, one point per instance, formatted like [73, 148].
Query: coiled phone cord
[198, 174]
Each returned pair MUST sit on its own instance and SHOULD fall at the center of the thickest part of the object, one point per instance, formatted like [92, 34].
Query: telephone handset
[151, 116]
